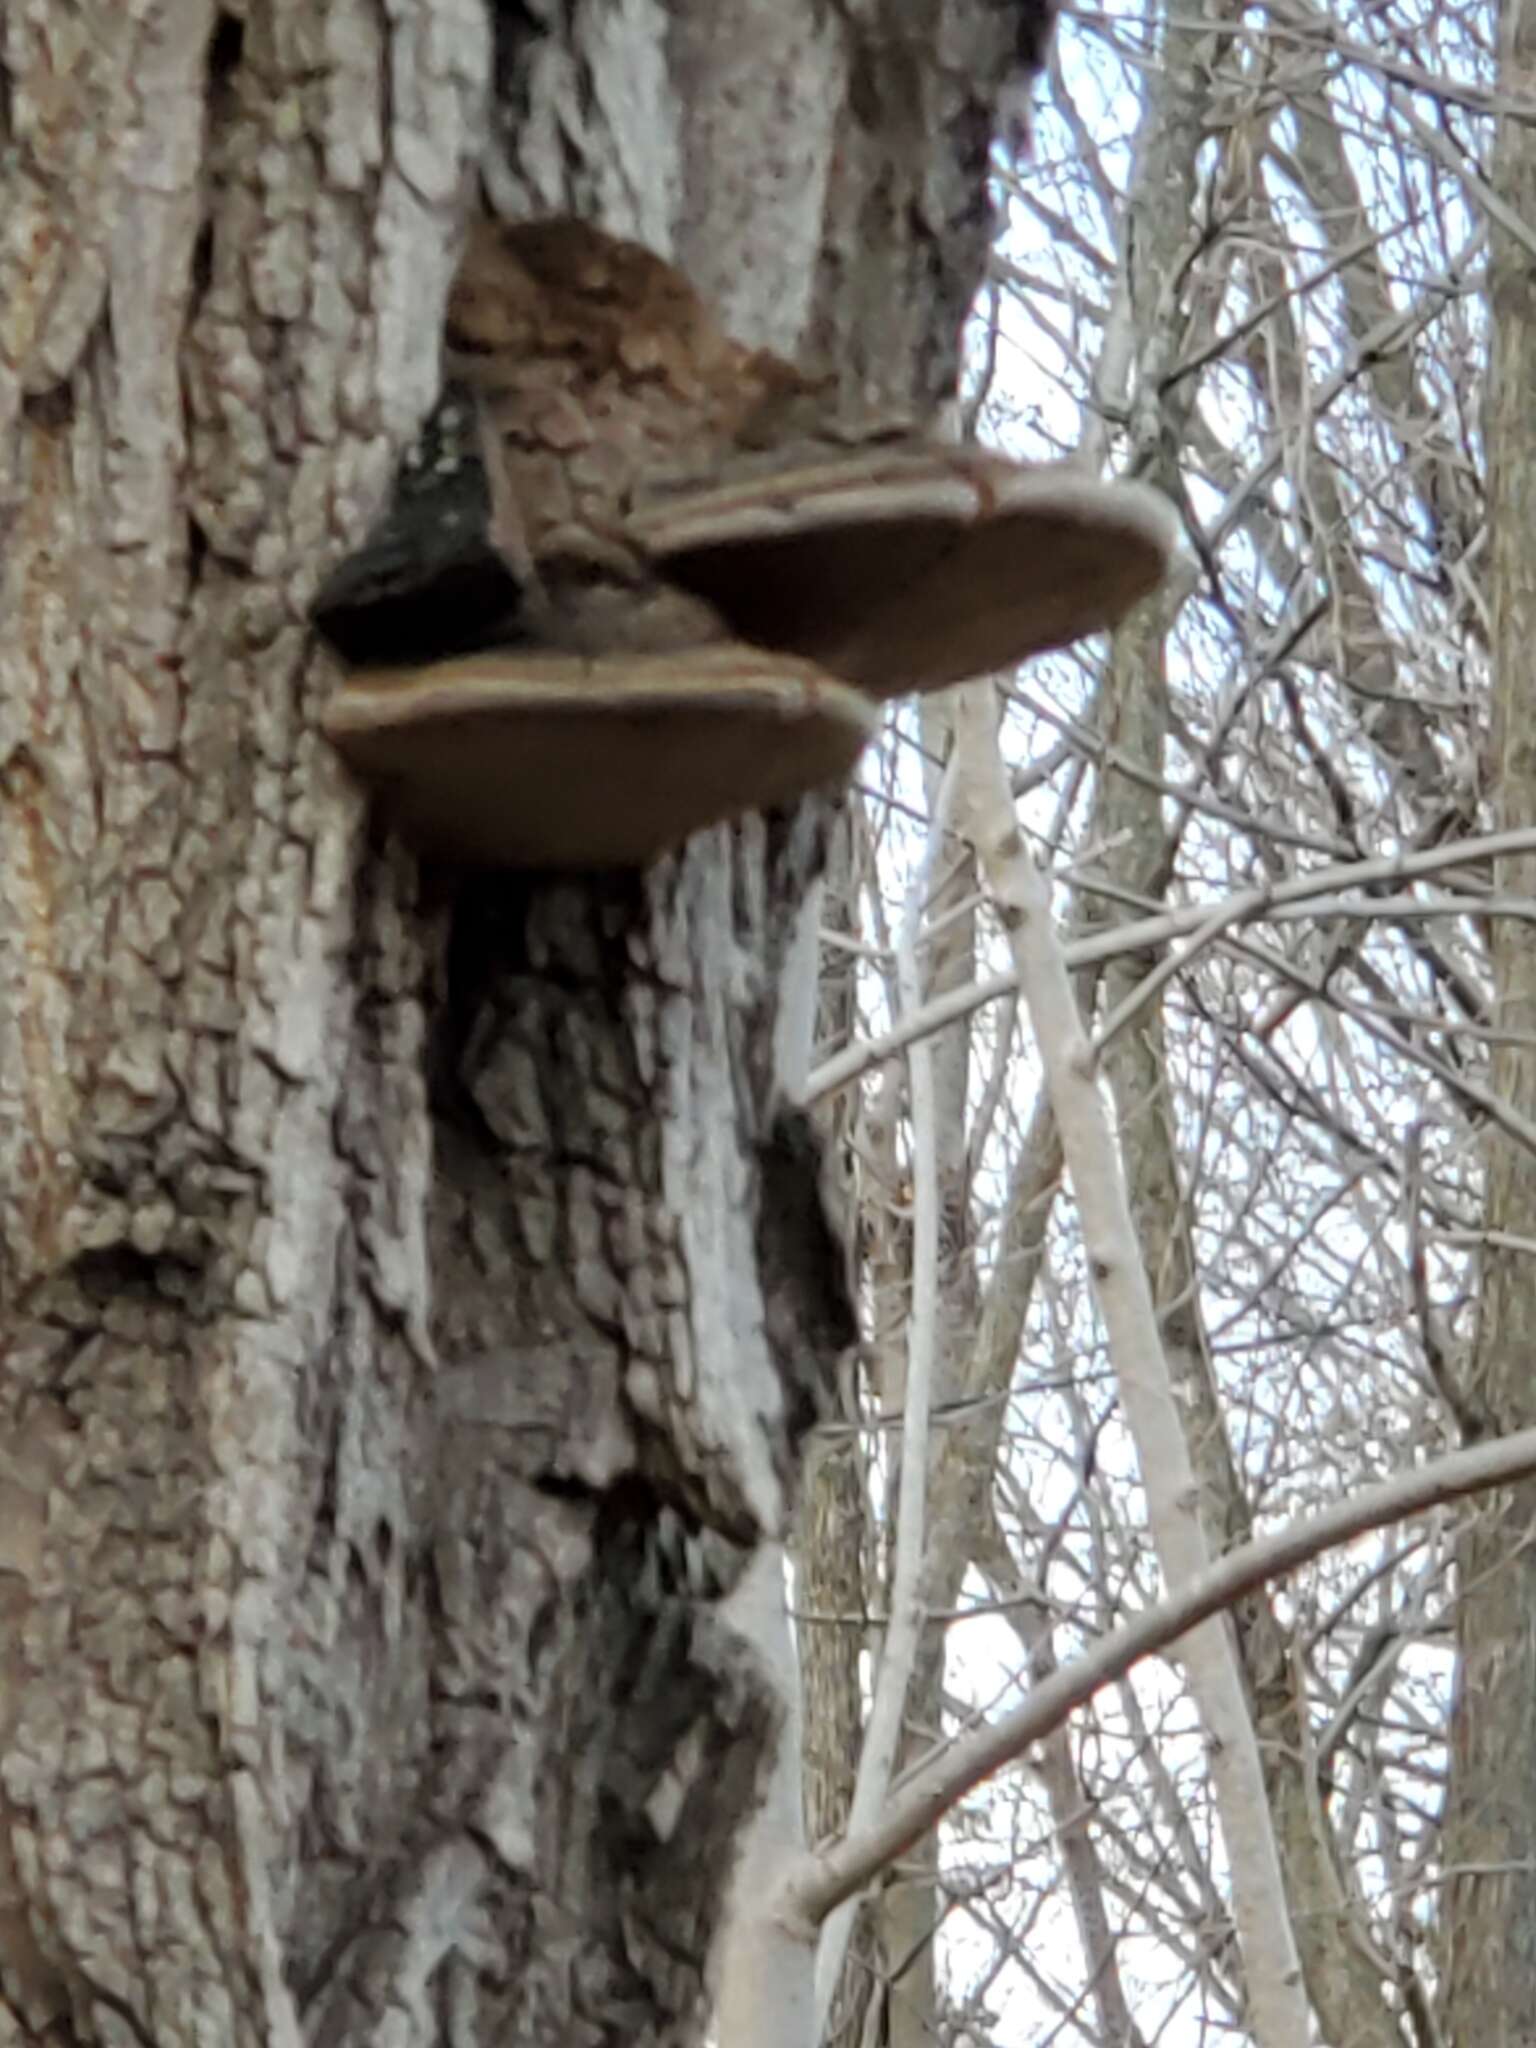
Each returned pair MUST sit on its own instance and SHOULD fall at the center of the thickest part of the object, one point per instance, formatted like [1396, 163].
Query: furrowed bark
[411, 1298]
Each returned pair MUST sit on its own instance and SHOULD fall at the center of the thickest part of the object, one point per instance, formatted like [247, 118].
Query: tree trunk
[1490, 1829]
[409, 1317]
[833, 1535]
[1127, 819]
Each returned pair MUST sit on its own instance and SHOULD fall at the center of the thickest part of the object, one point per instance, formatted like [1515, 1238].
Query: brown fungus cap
[712, 578]
[911, 567]
[532, 759]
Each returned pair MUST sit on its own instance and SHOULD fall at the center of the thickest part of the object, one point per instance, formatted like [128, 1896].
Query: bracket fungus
[527, 758]
[639, 578]
[915, 568]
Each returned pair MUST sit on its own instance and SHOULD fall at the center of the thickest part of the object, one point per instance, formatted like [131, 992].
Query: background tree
[1250, 259]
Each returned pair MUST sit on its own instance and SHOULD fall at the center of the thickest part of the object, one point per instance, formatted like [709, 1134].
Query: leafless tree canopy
[1277, 263]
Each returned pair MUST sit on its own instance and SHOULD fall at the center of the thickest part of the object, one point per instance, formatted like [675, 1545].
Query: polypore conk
[913, 567]
[533, 759]
[638, 577]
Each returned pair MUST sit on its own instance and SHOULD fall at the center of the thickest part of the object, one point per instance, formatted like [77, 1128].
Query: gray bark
[408, 1310]
[1489, 1938]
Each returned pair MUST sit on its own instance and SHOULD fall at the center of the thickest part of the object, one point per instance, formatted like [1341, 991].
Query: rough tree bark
[409, 1315]
[1490, 1822]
